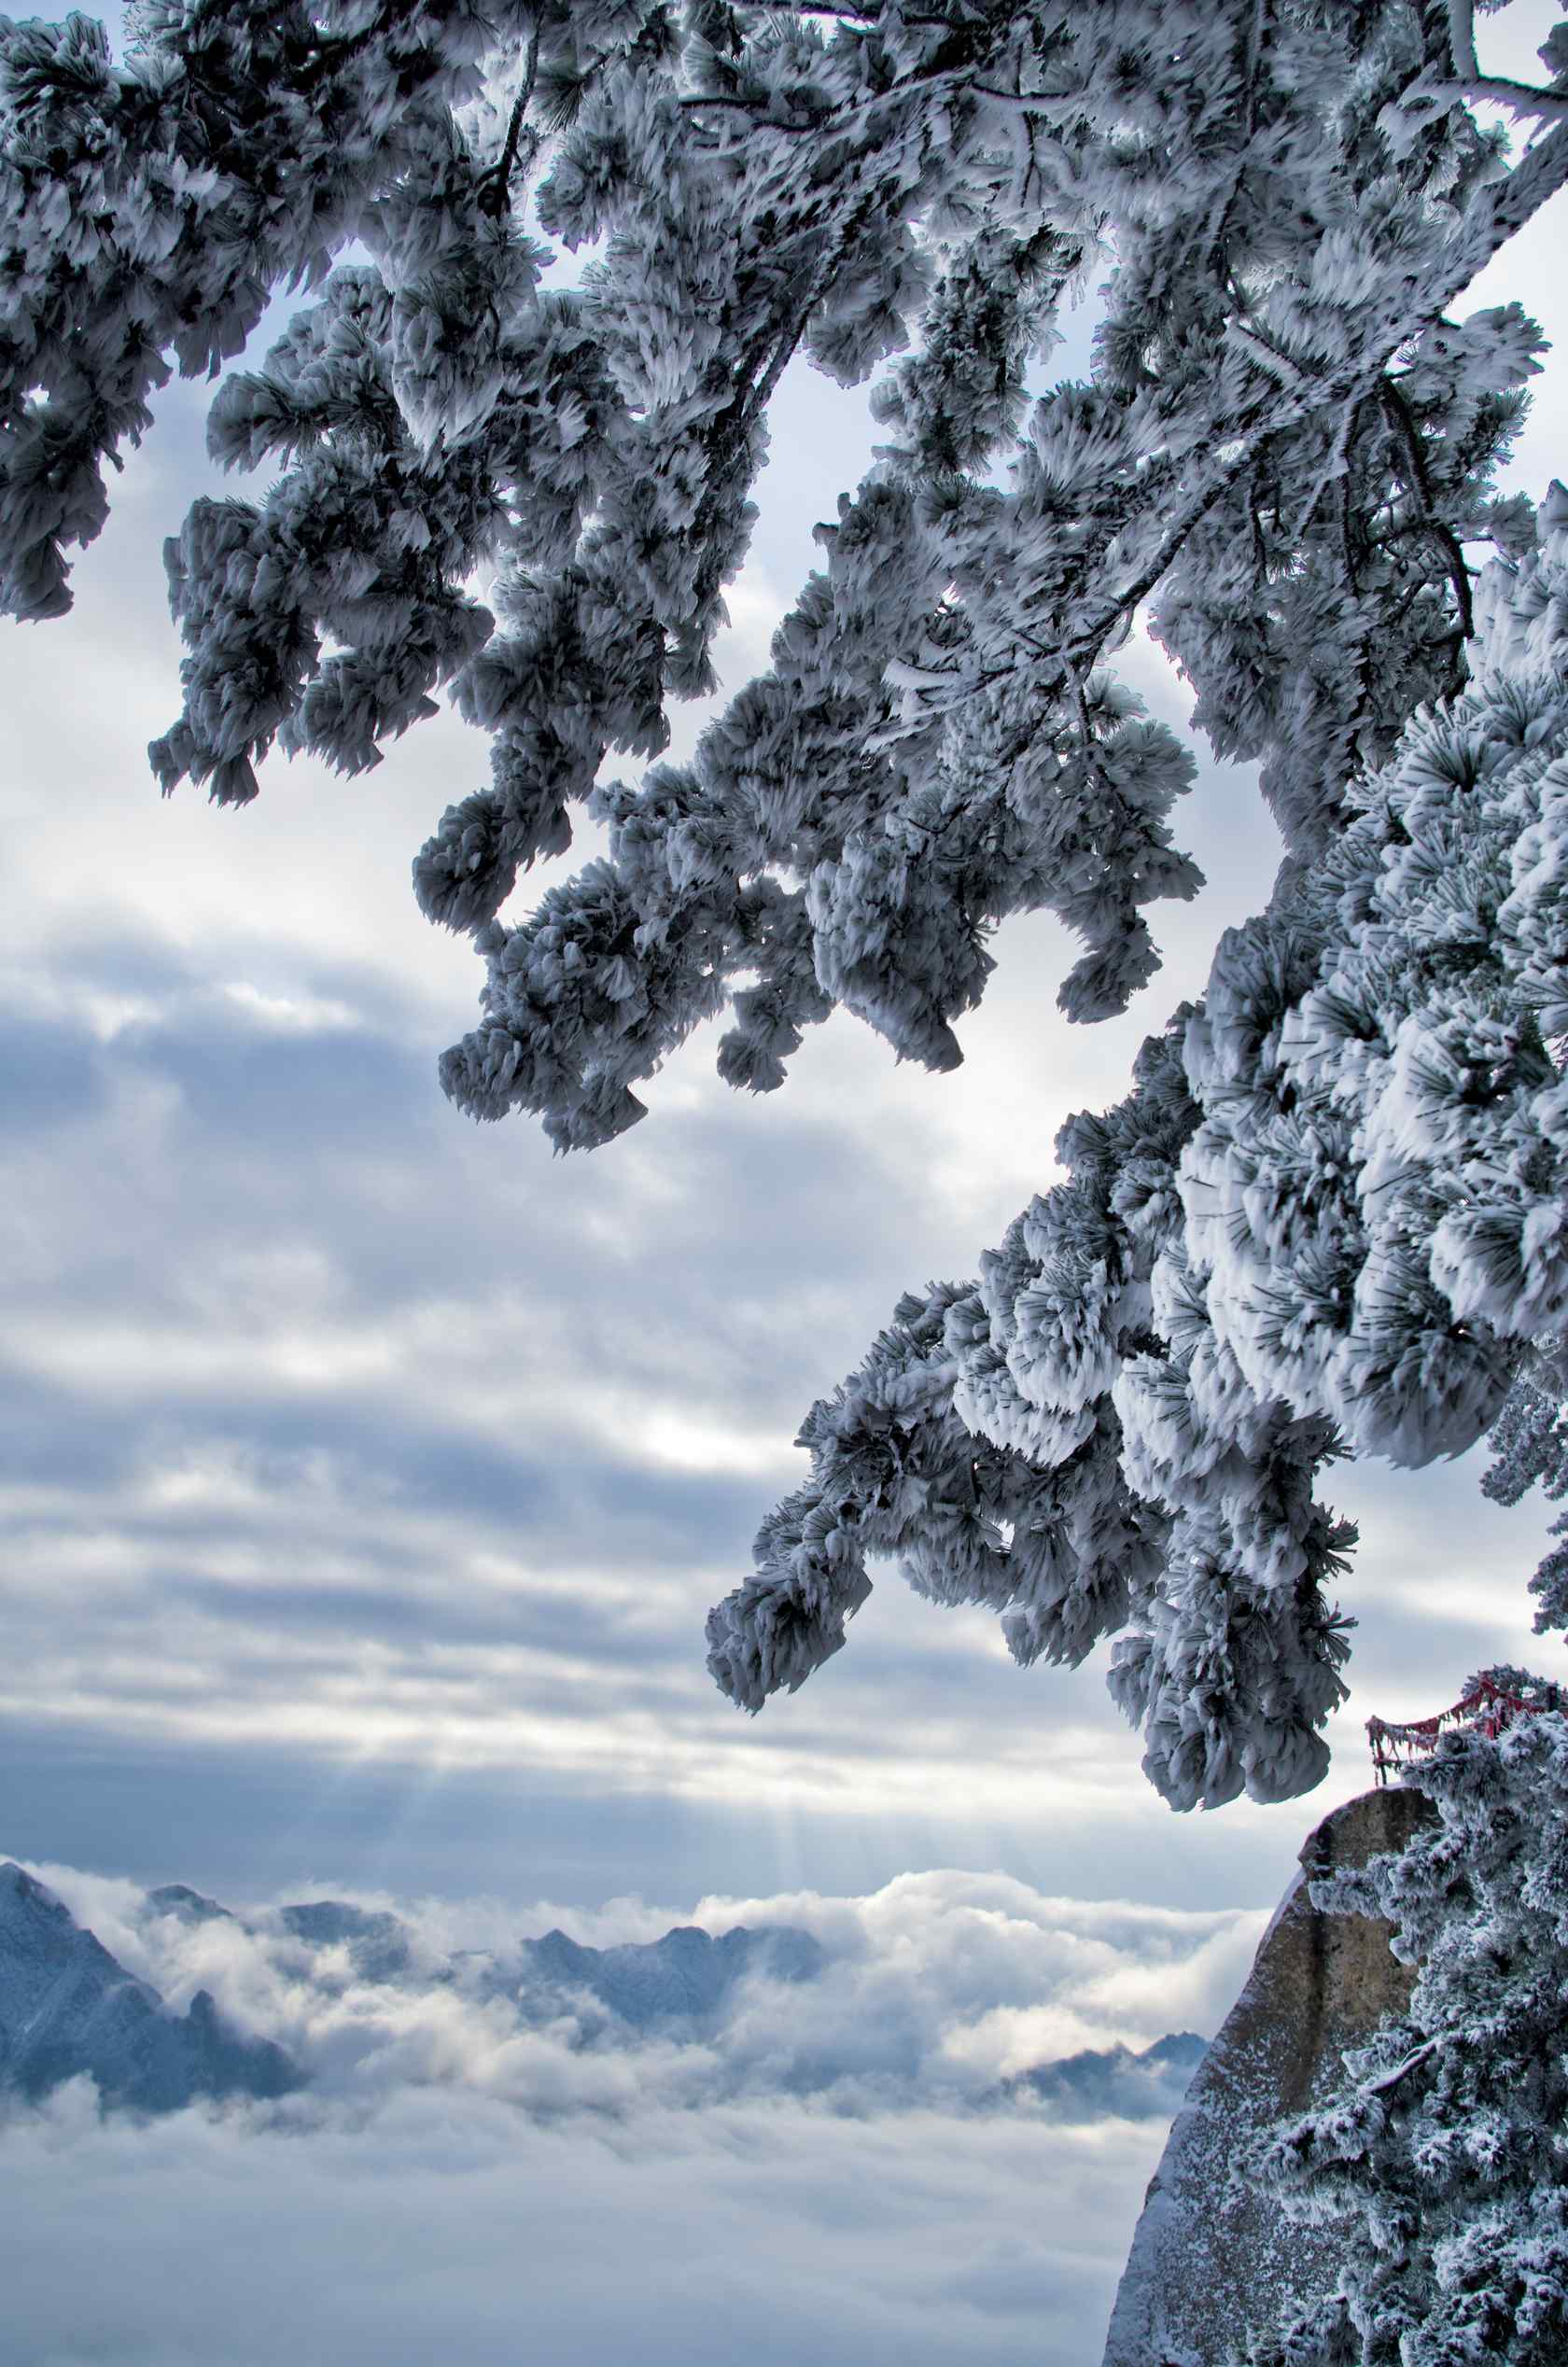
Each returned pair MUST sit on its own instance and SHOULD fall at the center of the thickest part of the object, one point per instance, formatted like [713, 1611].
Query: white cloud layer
[826, 2176]
[774, 2231]
[934, 1989]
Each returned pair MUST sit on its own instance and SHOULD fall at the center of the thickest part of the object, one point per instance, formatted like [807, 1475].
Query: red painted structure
[1485, 1706]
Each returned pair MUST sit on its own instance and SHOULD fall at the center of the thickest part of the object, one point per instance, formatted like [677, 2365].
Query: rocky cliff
[1207, 2261]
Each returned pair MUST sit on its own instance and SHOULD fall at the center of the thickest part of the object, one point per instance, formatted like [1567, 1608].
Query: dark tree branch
[494, 186]
[1399, 414]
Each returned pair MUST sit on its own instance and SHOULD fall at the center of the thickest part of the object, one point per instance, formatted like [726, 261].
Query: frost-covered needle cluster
[1329, 1213]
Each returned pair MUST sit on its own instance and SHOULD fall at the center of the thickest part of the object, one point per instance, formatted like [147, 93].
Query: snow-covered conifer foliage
[1441, 2160]
[1328, 1219]
[1330, 1216]
[1327, 1215]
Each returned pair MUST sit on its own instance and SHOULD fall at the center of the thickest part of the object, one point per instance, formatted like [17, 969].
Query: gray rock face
[1206, 2261]
[686, 1977]
[68, 2006]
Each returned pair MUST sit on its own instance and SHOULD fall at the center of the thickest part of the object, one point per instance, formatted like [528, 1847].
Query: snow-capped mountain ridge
[331, 1986]
[377, 1943]
[67, 2007]
[189, 1906]
[688, 1975]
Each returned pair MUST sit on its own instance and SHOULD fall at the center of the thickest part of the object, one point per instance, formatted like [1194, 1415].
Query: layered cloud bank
[827, 2153]
[955, 1992]
[776, 2232]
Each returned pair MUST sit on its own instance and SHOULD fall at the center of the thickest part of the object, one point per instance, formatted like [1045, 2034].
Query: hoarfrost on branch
[1329, 1215]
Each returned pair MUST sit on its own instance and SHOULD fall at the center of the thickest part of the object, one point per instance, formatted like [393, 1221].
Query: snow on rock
[1208, 2258]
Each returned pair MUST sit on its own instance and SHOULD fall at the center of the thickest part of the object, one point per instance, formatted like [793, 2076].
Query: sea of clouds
[828, 2175]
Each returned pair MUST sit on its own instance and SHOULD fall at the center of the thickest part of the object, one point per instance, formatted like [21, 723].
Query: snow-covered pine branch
[1330, 1217]
[1326, 1213]
[1291, 210]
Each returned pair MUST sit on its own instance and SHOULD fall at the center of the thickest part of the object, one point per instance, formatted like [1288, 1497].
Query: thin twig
[1462, 36]
[1402, 2070]
[493, 187]
[1524, 98]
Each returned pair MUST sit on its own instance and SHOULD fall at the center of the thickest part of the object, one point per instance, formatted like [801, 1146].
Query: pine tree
[1329, 1215]
[1326, 1217]
[1441, 2161]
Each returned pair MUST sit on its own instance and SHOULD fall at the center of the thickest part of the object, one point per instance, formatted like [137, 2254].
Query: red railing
[1487, 1707]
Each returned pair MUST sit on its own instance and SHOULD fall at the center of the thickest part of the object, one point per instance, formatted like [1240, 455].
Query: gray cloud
[775, 2230]
[324, 1438]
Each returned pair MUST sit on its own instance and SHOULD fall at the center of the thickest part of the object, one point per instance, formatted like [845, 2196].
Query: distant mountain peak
[17, 1883]
[189, 1906]
[377, 1942]
[686, 1976]
[68, 2008]
[1125, 2083]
